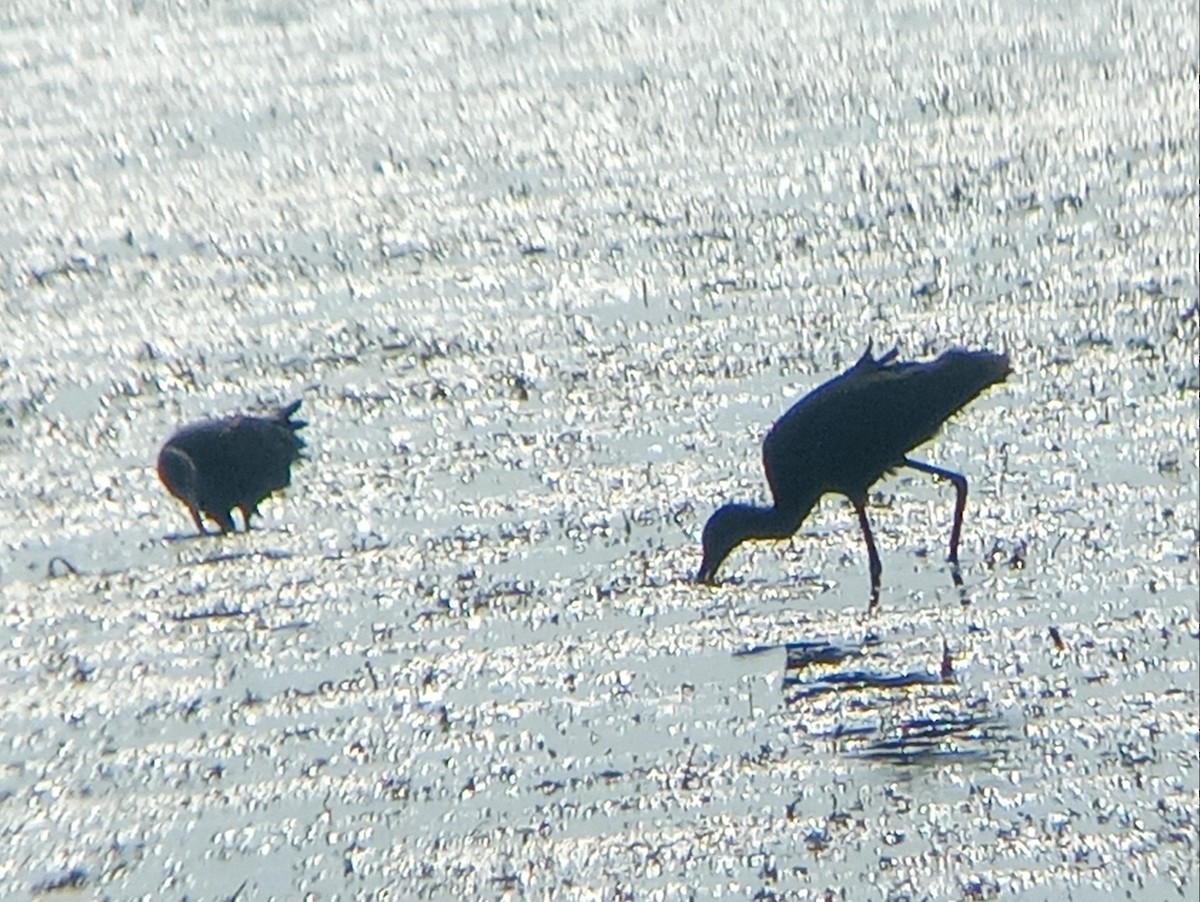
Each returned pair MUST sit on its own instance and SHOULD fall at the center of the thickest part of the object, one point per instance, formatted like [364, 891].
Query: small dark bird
[218, 465]
[846, 434]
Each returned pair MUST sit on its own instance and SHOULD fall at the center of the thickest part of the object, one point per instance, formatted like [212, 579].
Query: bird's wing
[264, 450]
[849, 431]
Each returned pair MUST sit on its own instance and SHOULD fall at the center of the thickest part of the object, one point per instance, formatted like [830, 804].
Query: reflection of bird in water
[215, 466]
[845, 435]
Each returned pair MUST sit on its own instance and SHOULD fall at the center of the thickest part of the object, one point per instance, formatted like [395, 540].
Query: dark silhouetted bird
[844, 435]
[215, 466]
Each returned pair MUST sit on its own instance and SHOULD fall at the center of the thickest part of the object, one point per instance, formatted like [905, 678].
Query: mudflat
[543, 276]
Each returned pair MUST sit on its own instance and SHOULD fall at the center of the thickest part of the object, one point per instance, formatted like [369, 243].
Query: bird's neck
[735, 523]
[775, 522]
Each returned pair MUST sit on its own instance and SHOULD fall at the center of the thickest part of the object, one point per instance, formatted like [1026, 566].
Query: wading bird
[218, 465]
[846, 434]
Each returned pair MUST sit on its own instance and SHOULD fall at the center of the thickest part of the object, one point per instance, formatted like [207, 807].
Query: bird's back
[847, 433]
[242, 459]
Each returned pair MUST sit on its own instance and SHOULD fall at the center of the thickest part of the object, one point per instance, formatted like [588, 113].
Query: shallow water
[543, 277]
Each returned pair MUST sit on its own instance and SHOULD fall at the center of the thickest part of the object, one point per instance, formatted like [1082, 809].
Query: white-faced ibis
[218, 465]
[846, 434]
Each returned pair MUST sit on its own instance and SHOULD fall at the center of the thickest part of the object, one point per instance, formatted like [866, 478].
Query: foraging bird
[846, 434]
[215, 466]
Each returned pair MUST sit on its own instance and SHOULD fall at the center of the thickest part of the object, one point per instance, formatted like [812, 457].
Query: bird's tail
[970, 372]
[992, 367]
[283, 416]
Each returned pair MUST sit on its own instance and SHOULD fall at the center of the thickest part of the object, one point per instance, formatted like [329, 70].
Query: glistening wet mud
[543, 277]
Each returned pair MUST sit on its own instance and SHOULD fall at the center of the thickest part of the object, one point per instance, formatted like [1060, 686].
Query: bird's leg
[960, 486]
[224, 520]
[197, 519]
[860, 506]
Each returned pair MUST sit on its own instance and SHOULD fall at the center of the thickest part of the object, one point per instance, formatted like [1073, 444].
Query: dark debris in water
[807, 652]
[947, 736]
[957, 730]
[59, 566]
[862, 679]
[75, 878]
[804, 653]
[210, 614]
